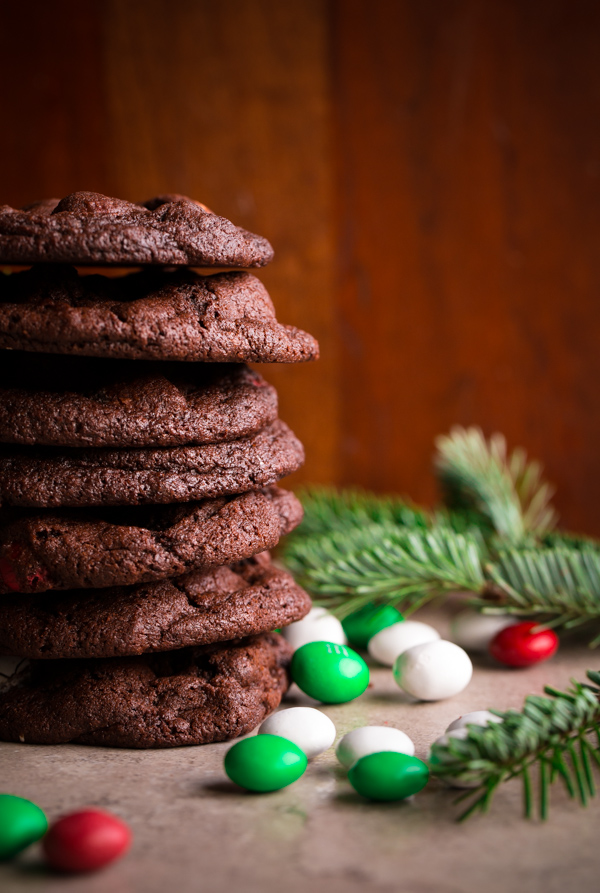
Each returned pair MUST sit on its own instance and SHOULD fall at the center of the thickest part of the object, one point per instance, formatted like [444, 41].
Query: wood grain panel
[468, 144]
[429, 174]
[229, 102]
[53, 114]
[225, 101]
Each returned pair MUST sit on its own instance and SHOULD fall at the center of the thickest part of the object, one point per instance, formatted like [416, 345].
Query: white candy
[474, 631]
[388, 643]
[443, 739]
[433, 671]
[372, 739]
[310, 729]
[318, 626]
[476, 718]
[455, 733]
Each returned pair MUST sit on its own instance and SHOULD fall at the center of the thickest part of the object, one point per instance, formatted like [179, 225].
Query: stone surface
[317, 834]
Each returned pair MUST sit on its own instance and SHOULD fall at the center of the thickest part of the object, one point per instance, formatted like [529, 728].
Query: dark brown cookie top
[150, 315]
[50, 477]
[86, 402]
[89, 228]
[96, 548]
[190, 696]
[226, 603]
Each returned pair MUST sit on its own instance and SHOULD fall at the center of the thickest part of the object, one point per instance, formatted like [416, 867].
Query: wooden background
[427, 170]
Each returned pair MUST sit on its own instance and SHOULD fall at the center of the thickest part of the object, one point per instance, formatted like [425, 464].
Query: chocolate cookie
[227, 603]
[151, 315]
[191, 696]
[46, 477]
[90, 548]
[89, 228]
[81, 401]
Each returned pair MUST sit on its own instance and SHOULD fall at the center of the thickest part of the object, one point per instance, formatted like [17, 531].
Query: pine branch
[365, 560]
[327, 509]
[561, 585]
[550, 733]
[385, 563]
[494, 540]
[506, 491]
[558, 538]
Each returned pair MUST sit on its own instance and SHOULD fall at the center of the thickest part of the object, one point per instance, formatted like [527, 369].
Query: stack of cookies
[138, 478]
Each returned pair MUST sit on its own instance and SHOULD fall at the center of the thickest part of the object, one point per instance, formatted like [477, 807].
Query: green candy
[265, 763]
[329, 672]
[388, 776]
[21, 823]
[361, 625]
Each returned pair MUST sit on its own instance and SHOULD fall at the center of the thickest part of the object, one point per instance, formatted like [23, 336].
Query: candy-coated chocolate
[469, 779]
[524, 644]
[329, 672]
[433, 671]
[308, 728]
[476, 718]
[21, 823]
[86, 840]
[362, 625]
[265, 763]
[460, 733]
[388, 643]
[372, 739]
[318, 626]
[388, 776]
[474, 631]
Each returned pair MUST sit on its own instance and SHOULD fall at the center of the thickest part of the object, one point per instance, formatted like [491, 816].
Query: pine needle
[560, 585]
[551, 732]
[327, 510]
[493, 539]
[506, 491]
[387, 564]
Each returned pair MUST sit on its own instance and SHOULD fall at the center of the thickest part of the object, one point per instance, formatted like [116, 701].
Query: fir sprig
[387, 563]
[506, 490]
[550, 736]
[492, 539]
[328, 510]
[407, 567]
[561, 585]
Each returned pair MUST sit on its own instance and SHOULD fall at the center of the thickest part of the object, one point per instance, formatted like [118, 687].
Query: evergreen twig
[327, 510]
[561, 585]
[506, 491]
[407, 567]
[551, 732]
[387, 563]
[493, 539]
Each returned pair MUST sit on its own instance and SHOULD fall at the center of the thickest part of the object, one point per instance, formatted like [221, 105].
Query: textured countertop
[194, 831]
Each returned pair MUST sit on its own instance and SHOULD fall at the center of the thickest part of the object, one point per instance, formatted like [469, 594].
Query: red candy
[518, 646]
[8, 576]
[86, 840]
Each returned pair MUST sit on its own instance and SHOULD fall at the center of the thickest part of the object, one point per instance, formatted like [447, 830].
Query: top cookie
[89, 228]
